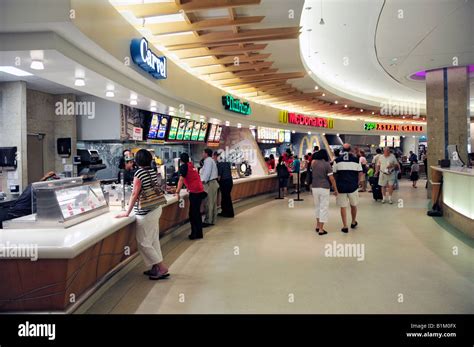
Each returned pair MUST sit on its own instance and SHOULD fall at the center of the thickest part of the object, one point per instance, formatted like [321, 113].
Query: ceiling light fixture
[227, 123]
[239, 125]
[324, 94]
[133, 102]
[361, 110]
[79, 82]
[336, 102]
[345, 106]
[153, 108]
[316, 87]
[110, 94]
[37, 65]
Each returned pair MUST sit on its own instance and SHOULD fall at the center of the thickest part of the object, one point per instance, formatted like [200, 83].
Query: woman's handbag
[152, 197]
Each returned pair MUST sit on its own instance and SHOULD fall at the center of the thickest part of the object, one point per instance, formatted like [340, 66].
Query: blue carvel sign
[147, 60]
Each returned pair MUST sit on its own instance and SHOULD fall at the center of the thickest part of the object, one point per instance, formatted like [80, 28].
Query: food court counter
[71, 261]
[457, 196]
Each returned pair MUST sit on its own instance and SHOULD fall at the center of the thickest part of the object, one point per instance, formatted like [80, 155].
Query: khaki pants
[210, 202]
[148, 237]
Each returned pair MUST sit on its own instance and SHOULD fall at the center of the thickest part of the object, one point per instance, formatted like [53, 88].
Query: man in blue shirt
[209, 176]
[347, 171]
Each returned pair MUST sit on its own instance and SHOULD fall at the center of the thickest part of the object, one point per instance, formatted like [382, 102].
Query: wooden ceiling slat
[289, 75]
[209, 70]
[228, 75]
[227, 36]
[199, 62]
[237, 85]
[151, 9]
[199, 5]
[223, 50]
[178, 27]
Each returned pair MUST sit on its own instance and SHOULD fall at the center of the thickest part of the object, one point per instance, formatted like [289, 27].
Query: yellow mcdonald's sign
[307, 143]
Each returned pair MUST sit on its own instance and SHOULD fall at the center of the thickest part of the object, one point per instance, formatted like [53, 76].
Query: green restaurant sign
[235, 105]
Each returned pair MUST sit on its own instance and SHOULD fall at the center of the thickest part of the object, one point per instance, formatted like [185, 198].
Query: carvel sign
[147, 60]
[393, 127]
[300, 119]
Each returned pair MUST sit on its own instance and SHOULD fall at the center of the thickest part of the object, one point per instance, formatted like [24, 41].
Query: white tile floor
[281, 265]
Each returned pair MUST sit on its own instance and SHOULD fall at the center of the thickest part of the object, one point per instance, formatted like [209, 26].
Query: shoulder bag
[152, 197]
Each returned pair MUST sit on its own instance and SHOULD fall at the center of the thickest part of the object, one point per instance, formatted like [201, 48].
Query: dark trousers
[195, 217]
[226, 198]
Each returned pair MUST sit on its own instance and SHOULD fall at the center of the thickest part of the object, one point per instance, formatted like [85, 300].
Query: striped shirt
[346, 168]
[145, 176]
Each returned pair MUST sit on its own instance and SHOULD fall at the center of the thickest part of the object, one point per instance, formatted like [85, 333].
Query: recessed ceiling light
[239, 125]
[324, 134]
[337, 134]
[293, 132]
[403, 117]
[316, 87]
[227, 123]
[309, 132]
[324, 94]
[310, 72]
[79, 82]
[336, 102]
[37, 65]
[110, 94]
[361, 110]
[153, 108]
[373, 112]
[345, 106]
[133, 102]
[14, 71]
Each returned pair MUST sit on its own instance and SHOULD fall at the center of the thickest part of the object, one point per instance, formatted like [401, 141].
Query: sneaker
[383, 201]
[390, 201]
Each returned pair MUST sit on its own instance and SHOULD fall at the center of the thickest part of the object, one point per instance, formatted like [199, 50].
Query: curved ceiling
[366, 49]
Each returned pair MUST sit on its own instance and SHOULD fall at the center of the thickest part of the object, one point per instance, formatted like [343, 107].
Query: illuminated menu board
[158, 127]
[215, 133]
[155, 122]
[271, 135]
[173, 128]
[188, 130]
[181, 129]
[203, 132]
[389, 141]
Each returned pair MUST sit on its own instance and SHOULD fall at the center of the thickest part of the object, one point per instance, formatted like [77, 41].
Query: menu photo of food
[189, 130]
[173, 128]
[164, 120]
[196, 130]
[217, 137]
[153, 132]
[212, 133]
[181, 129]
[203, 132]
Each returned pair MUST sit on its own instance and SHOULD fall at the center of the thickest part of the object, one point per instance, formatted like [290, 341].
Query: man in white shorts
[348, 173]
[385, 169]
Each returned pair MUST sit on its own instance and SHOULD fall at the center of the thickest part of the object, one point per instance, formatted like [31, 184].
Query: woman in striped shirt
[147, 220]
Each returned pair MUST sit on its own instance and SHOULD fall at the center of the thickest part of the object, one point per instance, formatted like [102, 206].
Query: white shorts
[385, 179]
[346, 199]
[321, 203]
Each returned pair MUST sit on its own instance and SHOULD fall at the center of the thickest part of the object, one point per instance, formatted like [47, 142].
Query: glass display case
[62, 203]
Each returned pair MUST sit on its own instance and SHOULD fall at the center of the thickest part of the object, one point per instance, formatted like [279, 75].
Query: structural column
[447, 109]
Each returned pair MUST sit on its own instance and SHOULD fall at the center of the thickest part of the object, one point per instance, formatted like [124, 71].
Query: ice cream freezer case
[61, 204]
